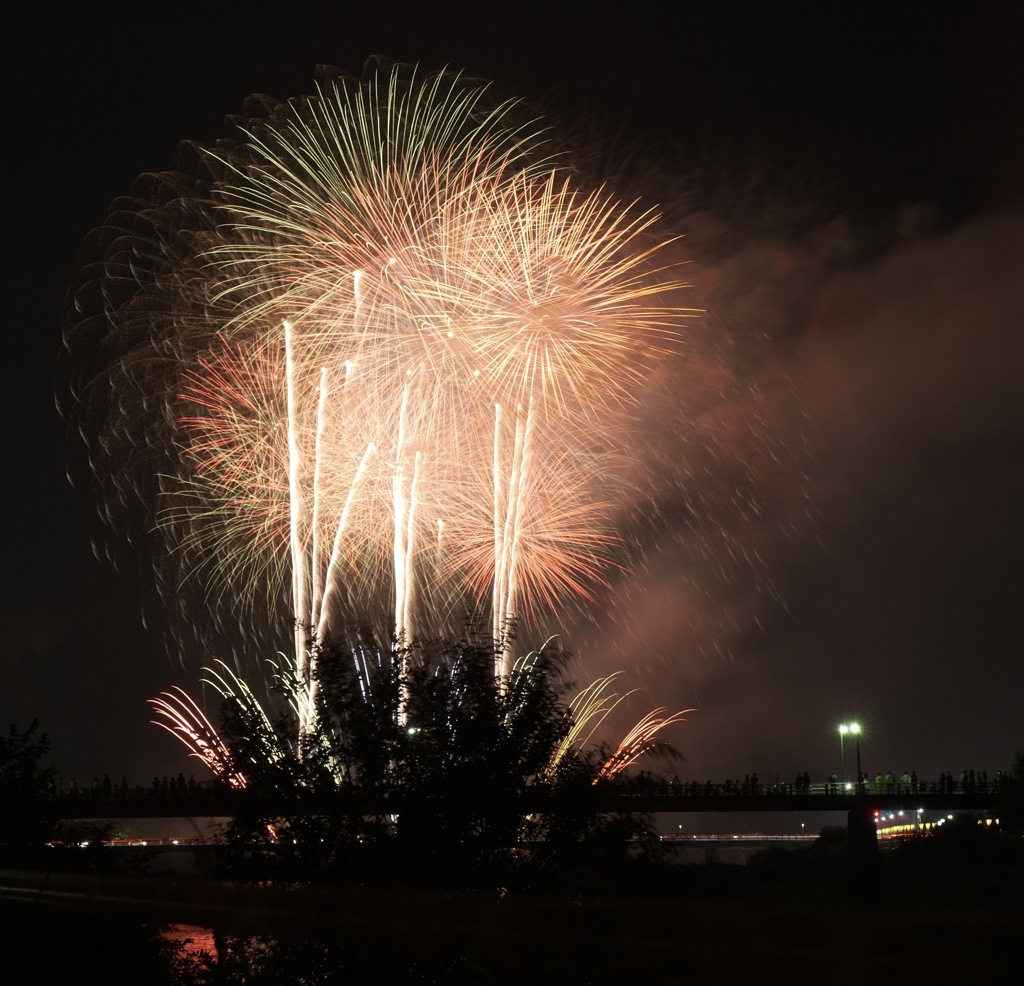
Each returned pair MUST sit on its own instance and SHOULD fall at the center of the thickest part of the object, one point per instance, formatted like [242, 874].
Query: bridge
[609, 800]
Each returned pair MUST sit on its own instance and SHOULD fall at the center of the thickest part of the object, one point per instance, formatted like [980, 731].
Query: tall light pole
[849, 729]
[855, 729]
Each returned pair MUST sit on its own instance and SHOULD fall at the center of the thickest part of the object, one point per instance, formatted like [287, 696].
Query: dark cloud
[880, 578]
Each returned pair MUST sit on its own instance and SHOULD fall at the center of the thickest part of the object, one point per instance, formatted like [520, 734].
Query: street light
[849, 729]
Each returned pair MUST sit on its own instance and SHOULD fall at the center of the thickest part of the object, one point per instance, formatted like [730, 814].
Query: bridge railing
[644, 784]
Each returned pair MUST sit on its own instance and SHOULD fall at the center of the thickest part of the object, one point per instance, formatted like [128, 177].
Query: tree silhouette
[25, 785]
[424, 767]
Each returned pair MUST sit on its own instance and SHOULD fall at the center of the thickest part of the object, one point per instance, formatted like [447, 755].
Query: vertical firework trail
[378, 346]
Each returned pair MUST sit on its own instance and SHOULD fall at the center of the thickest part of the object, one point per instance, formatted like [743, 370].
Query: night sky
[831, 529]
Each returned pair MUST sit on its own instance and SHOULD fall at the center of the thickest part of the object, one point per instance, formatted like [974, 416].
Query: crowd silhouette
[180, 788]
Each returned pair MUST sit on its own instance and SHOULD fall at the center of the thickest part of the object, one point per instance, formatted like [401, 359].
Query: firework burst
[375, 355]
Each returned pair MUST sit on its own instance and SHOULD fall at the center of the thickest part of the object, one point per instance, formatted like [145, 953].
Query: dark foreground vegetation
[783, 918]
[446, 895]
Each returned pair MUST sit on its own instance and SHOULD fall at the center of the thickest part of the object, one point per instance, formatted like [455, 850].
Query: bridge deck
[228, 805]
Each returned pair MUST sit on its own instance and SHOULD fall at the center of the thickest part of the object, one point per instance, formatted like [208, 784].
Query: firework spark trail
[187, 723]
[397, 343]
[297, 524]
[509, 494]
[641, 739]
[181, 716]
[331, 577]
[589, 708]
[318, 458]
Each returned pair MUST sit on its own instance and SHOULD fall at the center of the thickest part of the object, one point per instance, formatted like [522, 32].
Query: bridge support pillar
[863, 883]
